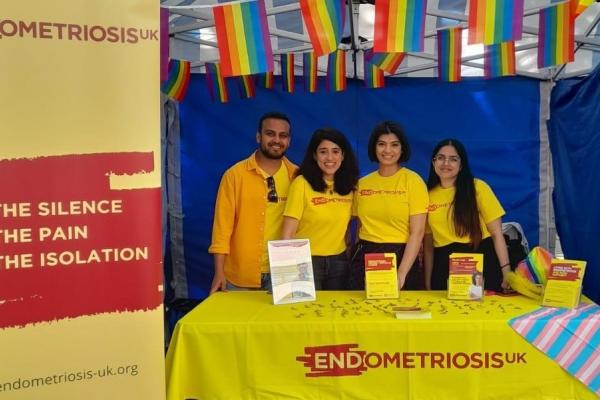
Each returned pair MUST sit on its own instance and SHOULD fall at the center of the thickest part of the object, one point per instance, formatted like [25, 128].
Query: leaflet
[563, 288]
[465, 280]
[381, 277]
[292, 278]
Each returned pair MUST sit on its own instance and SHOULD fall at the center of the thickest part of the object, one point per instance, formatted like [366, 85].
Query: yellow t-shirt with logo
[384, 204]
[323, 217]
[274, 212]
[439, 220]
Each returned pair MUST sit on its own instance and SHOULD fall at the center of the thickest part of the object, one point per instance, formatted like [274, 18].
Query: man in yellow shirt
[249, 209]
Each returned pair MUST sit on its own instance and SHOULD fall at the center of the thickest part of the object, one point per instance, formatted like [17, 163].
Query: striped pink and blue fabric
[571, 337]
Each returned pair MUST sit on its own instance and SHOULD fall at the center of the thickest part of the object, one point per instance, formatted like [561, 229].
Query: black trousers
[414, 279]
[330, 272]
[492, 274]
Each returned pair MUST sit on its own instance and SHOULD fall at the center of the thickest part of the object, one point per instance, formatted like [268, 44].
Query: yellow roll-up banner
[80, 223]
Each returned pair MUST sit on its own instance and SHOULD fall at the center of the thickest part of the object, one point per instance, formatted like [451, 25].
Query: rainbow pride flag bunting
[247, 86]
[499, 60]
[374, 76]
[216, 83]
[309, 67]
[535, 266]
[178, 80]
[577, 6]
[399, 25]
[288, 80]
[556, 36]
[388, 62]
[324, 20]
[267, 80]
[243, 38]
[495, 21]
[336, 71]
[449, 53]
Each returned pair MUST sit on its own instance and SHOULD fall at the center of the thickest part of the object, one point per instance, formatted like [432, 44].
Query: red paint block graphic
[333, 360]
[71, 246]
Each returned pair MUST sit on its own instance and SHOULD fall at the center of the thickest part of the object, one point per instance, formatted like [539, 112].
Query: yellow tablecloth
[237, 345]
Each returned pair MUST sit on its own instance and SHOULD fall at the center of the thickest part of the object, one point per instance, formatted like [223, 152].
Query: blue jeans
[265, 284]
[330, 272]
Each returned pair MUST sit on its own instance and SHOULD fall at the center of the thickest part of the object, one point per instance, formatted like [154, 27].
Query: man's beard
[265, 152]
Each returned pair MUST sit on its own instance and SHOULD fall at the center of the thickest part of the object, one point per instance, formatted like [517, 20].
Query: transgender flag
[499, 60]
[243, 38]
[495, 21]
[324, 20]
[399, 26]
[556, 36]
[449, 54]
[569, 336]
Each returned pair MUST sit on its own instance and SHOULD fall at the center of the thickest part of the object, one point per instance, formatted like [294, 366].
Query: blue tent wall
[498, 120]
[574, 133]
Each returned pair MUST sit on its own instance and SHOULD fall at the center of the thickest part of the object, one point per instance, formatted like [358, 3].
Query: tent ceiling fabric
[193, 37]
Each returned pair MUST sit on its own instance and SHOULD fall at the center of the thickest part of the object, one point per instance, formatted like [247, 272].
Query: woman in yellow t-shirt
[319, 205]
[391, 206]
[464, 217]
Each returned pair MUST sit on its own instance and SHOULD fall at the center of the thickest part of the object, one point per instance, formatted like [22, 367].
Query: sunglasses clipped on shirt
[272, 194]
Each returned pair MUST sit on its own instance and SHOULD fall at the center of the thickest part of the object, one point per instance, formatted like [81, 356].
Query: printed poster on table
[563, 287]
[465, 280]
[381, 278]
[292, 279]
[80, 210]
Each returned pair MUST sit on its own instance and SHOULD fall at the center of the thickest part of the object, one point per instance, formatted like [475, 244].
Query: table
[237, 345]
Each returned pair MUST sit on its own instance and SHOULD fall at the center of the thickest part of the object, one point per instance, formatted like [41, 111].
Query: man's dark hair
[273, 115]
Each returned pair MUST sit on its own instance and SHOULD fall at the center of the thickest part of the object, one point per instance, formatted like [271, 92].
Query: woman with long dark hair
[464, 217]
[391, 206]
[319, 205]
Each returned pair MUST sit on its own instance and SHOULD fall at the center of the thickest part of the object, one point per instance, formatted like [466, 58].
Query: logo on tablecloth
[349, 360]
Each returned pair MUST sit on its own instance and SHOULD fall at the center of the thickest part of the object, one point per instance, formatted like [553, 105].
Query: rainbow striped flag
[449, 46]
[217, 87]
[288, 81]
[178, 80]
[499, 60]
[577, 6]
[388, 62]
[336, 71]
[247, 86]
[324, 20]
[267, 80]
[495, 21]
[399, 25]
[243, 38]
[571, 337]
[309, 66]
[373, 76]
[556, 36]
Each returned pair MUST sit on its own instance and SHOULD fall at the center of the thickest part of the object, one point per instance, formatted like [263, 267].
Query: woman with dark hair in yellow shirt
[319, 205]
[391, 206]
[464, 217]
